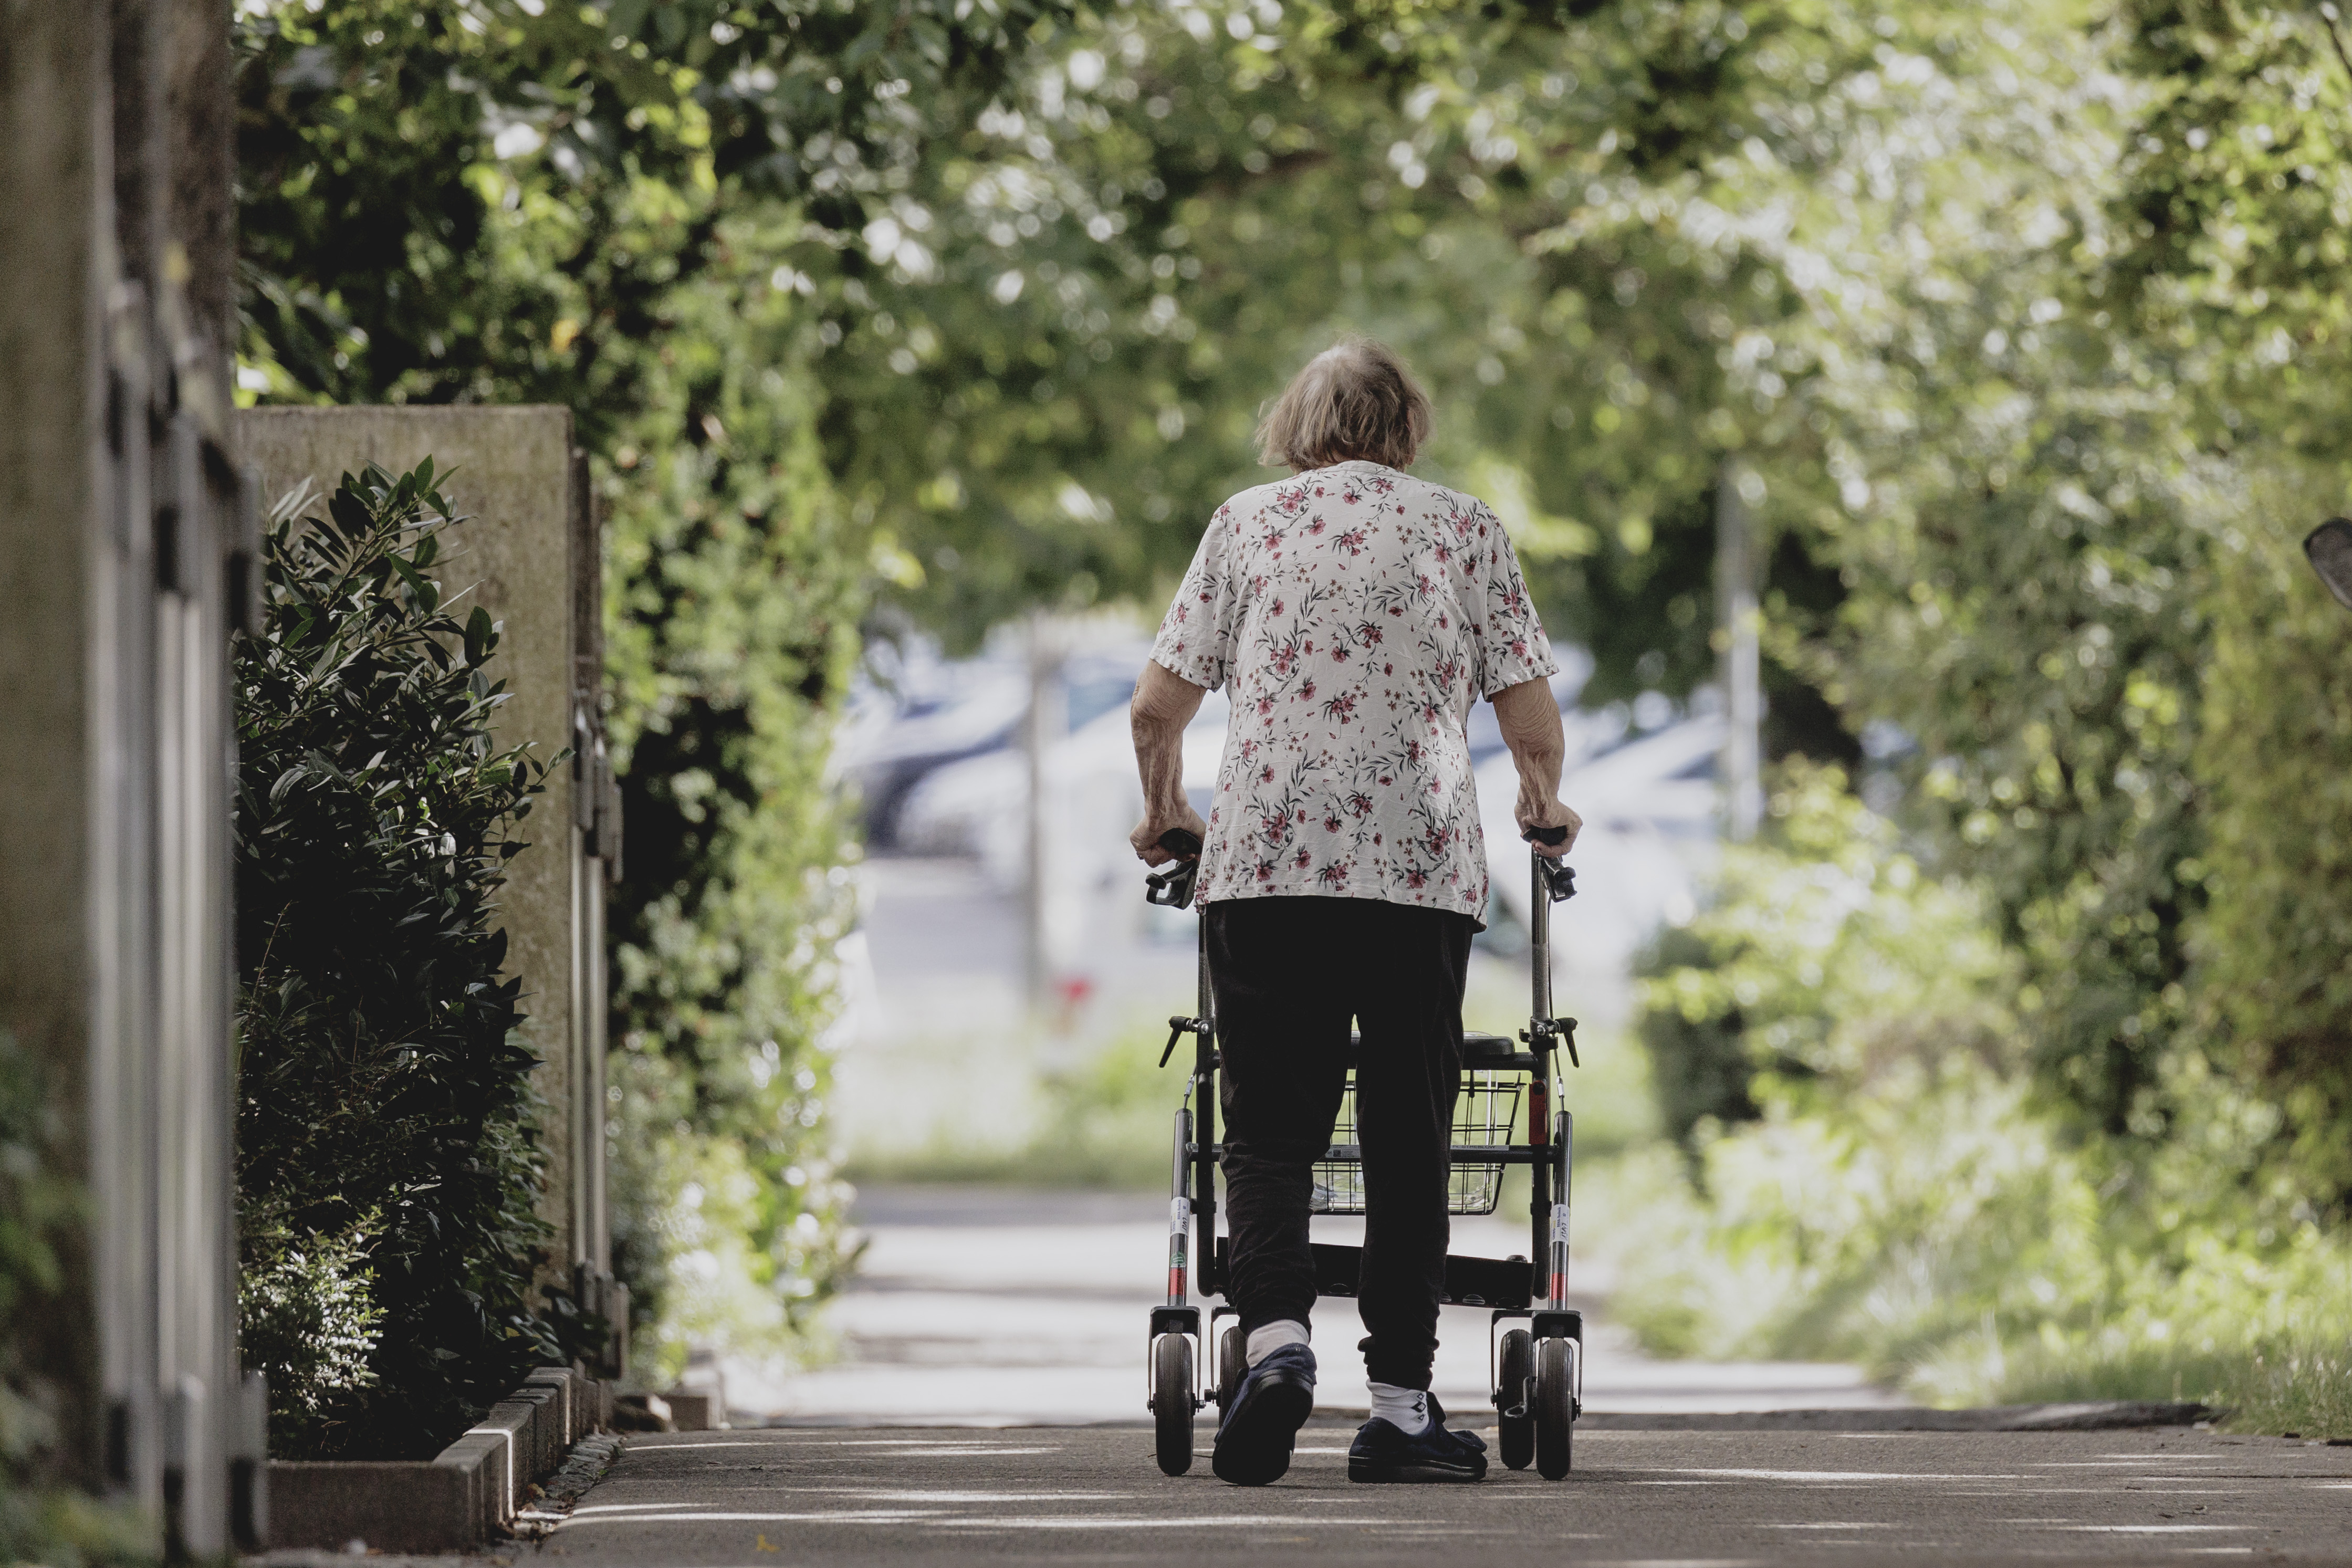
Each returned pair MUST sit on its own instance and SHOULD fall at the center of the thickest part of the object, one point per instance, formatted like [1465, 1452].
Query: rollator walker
[1535, 1339]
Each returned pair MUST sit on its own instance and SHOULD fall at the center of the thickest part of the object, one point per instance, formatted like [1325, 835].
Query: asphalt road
[1663, 1499]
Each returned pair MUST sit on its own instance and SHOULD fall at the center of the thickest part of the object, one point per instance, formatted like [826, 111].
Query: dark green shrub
[387, 1157]
[36, 1206]
[43, 1519]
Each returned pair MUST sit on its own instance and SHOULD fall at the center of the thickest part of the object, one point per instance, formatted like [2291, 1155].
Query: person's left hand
[1146, 836]
[1541, 812]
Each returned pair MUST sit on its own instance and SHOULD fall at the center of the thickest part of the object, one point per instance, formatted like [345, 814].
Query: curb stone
[589, 1459]
[468, 1496]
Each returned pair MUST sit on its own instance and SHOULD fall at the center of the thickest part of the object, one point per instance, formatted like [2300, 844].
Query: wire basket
[1483, 1117]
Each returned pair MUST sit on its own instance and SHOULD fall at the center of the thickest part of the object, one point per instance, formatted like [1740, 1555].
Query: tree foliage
[2231, 210]
[388, 1165]
[2275, 750]
[555, 189]
[1997, 314]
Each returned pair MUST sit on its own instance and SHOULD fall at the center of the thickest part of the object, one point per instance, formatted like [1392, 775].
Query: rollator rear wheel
[1171, 1401]
[1516, 1364]
[1555, 1409]
[1232, 1365]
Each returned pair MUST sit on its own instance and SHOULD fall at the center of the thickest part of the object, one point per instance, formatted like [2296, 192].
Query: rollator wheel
[1171, 1401]
[1555, 1409]
[1517, 1365]
[1232, 1365]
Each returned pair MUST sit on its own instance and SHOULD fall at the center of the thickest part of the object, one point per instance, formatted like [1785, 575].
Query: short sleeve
[1510, 642]
[1196, 639]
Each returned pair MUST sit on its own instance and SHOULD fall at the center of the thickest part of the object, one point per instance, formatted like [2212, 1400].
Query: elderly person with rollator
[1354, 614]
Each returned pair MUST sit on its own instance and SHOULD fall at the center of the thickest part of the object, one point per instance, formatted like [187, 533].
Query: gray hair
[1354, 400]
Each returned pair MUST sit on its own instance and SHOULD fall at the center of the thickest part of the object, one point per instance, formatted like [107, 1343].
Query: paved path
[984, 1307]
[1662, 1500]
[1023, 1313]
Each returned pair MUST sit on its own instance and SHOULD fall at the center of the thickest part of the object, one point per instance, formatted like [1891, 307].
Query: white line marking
[855, 1516]
[944, 1445]
[1835, 1475]
[957, 1453]
[1137, 1522]
[2150, 1528]
[990, 1497]
[2122, 1463]
[692, 1447]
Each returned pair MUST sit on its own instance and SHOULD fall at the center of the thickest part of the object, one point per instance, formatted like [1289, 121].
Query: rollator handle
[1172, 889]
[1558, 875]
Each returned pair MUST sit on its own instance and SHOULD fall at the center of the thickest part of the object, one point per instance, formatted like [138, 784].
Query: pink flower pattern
[1357, 613]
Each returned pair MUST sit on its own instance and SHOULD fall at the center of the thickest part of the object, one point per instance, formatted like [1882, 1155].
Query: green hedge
[2273, 981]
[388, 1166]
[1908, 1199]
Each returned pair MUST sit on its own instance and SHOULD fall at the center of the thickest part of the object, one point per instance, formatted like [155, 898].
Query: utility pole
[1046, 723]
[1740, 661]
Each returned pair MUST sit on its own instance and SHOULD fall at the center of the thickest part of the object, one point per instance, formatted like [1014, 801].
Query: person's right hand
[1550, 813]
[1145, 839]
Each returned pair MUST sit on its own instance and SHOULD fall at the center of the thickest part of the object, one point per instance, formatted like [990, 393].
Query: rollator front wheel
[1516, 1363]
[1232, 1365]
[1171, 1401]
[1555, 1411]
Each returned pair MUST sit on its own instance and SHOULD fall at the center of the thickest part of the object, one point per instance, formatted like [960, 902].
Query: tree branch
[2336, 39]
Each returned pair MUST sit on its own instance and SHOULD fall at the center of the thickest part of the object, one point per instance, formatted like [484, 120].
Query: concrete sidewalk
[987, 1307]
[1655, 1499]
[1026, 1313]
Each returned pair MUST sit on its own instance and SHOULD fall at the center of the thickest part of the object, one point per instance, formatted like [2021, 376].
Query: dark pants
[1289, 973]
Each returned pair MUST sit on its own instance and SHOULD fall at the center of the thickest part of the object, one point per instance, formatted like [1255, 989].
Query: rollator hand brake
[1177, 1029]
[1553, 1033]
[1558, 875]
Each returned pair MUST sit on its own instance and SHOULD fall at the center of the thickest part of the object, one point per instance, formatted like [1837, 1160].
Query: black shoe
[1382, 1452]
[1276, 1397]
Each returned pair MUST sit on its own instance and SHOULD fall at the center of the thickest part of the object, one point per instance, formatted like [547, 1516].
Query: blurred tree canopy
[926, 312]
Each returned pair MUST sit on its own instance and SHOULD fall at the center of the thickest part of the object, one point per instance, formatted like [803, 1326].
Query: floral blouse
[1358, 614]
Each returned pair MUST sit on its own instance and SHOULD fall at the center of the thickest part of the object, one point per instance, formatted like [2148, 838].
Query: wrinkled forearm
[1529, 718]
[1164, 705]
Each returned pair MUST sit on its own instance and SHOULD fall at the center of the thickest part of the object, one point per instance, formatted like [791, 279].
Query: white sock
[1272, 1336]
[1406, 1409]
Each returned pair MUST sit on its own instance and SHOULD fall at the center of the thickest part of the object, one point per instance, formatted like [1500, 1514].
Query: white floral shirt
[1358, 613]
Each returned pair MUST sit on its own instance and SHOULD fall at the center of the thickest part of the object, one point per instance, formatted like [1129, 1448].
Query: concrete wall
[530, 556]
[123, 530]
